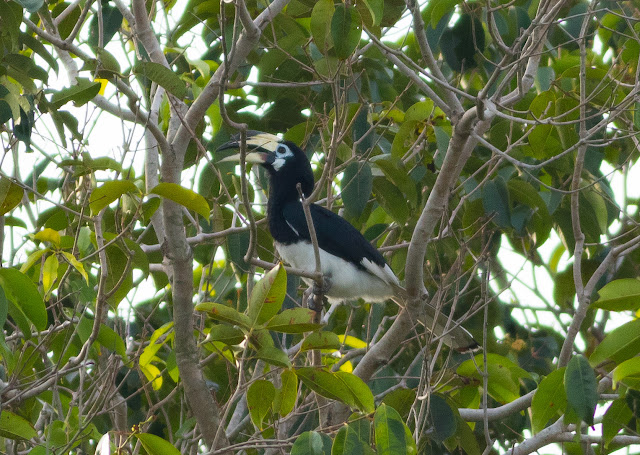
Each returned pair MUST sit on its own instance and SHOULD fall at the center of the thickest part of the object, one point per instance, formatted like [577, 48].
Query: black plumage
[352, 268]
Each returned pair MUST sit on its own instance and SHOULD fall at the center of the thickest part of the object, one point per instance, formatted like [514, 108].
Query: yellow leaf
[32, 259]
[103, 85]
[49, 273]
[153, 375]
[48, 235]
[76, 265]
[352, 342]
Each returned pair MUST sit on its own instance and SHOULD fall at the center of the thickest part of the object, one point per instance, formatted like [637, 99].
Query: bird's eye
[282, 150]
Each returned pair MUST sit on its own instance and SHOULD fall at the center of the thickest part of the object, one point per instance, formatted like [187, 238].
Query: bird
[352, 268]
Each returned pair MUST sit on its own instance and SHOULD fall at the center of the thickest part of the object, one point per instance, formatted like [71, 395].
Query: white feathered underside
[348, 282]
[374, 284]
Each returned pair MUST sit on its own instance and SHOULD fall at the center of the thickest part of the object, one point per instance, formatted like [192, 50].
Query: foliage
[141, 301]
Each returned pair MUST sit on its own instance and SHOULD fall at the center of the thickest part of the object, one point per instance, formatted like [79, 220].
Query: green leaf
[460, 43]
[420, 111]
[4, 310]
[357, 183]
[155, 445]
[326, 384]
[389, 431]
[260, 396]
[183, 196]
[619, 345]
[312, 443]
[119, 276]
[274, 356]
[615, 419]
[260, 339]
[375, 9]
[404, 138]
[549, 400]
[347, 442]
[10, 195]
[598, 211]
[346, 30]
[619, 295]
[11, 14]
[495, 200]
[542, 106]
[13, 426]
[320, 340]
[268, 295]
[35, 45]
[436, 9]
[320, 24]
[327, 67]
[162, 76]
[106, 66]
[81, 93]
[226, 334]
[442, 139]
[401, 400]
[628, 368]
[109, 339]
[442, 419]
[466, 439]
[391, 199]
[581, 387]
[295, 320]
[31, 5]
[109, 192]
[287, 394]
[111, 22]
[15, 222]
[524, 193]
[363, 398]
[237, 244]
[24, 296]
[503, 375]
[23, 66]
[395, 171]
[225, 313]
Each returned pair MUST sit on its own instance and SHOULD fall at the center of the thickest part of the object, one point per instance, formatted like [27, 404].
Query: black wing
[335, 234]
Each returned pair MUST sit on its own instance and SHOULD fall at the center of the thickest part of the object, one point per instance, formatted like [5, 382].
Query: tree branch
[243, 47]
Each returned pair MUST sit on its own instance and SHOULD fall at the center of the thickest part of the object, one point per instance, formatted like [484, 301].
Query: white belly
[348, 282]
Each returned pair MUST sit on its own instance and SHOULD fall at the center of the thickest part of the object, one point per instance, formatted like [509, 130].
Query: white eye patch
[283, 153]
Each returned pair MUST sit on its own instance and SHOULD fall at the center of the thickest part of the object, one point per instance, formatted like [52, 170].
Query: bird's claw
[324, 288]
[318, 291]
[314, 302]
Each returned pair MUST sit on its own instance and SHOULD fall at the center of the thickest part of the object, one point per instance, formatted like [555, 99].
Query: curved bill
[256, 141]
[251, 157]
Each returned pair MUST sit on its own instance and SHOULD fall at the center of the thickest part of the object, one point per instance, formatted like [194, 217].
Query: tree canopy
[144, 308]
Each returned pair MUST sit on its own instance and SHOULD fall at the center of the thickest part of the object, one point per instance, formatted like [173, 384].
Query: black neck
[284, 193]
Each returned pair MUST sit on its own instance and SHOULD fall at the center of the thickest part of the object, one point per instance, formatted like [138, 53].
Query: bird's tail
[451, 332]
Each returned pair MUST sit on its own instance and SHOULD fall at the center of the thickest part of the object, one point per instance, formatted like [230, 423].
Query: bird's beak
[259, 146]
[251, 157]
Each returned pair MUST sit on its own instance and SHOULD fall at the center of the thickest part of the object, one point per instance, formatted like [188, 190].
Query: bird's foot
[314, 302]
[324, 288]
[318, 291]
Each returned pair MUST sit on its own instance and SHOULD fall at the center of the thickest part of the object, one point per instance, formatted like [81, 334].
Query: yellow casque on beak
[259, 146]
[251, 157]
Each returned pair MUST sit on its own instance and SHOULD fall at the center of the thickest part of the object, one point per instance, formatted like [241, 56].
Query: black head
[286, 163]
